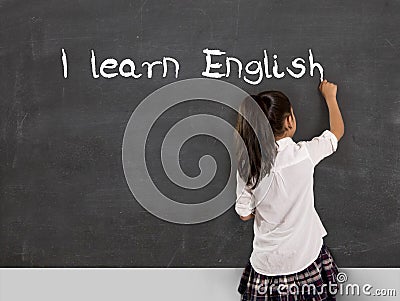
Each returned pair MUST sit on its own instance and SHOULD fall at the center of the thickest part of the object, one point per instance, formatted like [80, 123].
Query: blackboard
[64, 200]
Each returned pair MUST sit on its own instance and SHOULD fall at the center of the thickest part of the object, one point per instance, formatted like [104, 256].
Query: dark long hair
[257, 152]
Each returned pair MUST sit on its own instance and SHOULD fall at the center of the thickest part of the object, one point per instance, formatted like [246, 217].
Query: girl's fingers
[323, 83]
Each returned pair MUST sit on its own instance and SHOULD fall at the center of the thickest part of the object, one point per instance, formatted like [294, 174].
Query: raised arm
[328, 91]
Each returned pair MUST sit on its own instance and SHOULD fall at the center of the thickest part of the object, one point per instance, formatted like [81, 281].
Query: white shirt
[288, 233]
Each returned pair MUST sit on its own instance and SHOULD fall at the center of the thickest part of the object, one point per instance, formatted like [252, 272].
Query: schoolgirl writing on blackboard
[288, 248]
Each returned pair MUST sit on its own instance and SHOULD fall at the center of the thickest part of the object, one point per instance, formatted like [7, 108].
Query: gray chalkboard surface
[64, 200]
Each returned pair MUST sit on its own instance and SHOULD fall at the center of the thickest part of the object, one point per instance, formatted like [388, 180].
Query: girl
[289, 260]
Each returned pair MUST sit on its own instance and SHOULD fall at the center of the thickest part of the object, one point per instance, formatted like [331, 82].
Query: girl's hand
[328, 89]
[246, 218]
[250, 216]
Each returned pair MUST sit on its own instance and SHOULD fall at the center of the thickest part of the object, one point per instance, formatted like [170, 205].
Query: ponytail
[256, 154]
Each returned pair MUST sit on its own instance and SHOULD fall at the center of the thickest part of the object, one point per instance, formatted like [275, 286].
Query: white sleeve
[321, 146]
[244, 198]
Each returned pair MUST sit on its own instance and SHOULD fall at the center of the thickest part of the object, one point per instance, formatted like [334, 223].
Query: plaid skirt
[317, 282]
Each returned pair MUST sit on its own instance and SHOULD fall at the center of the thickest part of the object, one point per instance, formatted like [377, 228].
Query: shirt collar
[282, 143]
